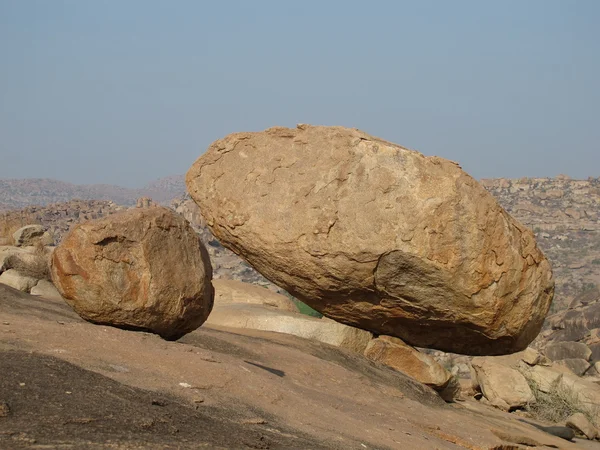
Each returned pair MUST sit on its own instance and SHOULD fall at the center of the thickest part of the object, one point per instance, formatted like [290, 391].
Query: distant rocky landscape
[21, 193]
[406, 261]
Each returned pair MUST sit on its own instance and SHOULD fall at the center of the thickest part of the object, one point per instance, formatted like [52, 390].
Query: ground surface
[65, 383]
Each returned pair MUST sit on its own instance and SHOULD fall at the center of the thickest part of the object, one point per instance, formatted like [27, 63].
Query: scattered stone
[577, 366]
[546, 379]
[568, 350]
[376, 236]
[254, 421]
[143, 269]
[46, 289]
[502, 383]
[32, 235]
[17, 280]
[402, 357]
[582, 426]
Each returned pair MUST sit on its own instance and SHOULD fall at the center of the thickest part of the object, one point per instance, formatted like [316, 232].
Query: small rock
[4, 409]
[18, 281]
[254, 421]
[159, 403]
[582, 425]
[568, 350]
[576, 365]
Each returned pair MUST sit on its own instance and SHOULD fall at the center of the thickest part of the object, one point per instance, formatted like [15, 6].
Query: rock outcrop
[142, 269]
[376, 236]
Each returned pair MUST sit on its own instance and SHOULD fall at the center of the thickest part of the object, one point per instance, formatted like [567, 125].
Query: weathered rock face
[396, 354]
[141, 269]
[376, 236]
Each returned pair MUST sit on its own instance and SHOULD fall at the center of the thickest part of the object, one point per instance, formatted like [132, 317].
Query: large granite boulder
[141, 269]
[376, 236]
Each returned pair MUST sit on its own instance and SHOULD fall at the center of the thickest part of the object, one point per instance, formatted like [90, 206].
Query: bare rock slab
[376, 236]
[233, 291]
[259, 317]
[141, 269]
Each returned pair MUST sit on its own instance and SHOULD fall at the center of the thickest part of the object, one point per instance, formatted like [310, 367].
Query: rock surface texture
[142, 269]
[376, 236]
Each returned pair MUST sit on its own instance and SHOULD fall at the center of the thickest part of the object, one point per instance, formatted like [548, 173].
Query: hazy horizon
[128, 92]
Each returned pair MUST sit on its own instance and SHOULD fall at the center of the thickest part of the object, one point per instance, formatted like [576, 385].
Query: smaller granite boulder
[576, 365]
[394, 353]
[46, 289]
[568, 350]
[17, 280]
[502, 384]
[32, 235]
[582, 426]
[143, 269]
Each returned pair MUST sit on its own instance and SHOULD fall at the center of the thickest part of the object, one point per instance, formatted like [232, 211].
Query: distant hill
[21, 193]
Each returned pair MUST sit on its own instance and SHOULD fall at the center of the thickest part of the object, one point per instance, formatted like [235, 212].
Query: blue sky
[126, 91]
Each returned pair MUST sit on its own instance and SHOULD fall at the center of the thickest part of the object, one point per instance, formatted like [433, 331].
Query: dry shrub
[559, 404]
[35, 265]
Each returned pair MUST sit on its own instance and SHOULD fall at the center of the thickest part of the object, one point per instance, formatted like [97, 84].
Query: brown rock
[577, 366]
[546, 379]
[376, 236]
[32, 235]
[396, 354]
[568, 350]
[47, 290]
[141, 269]
[500, 382]
[233, 291]
[582, 426]
[17, 280]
